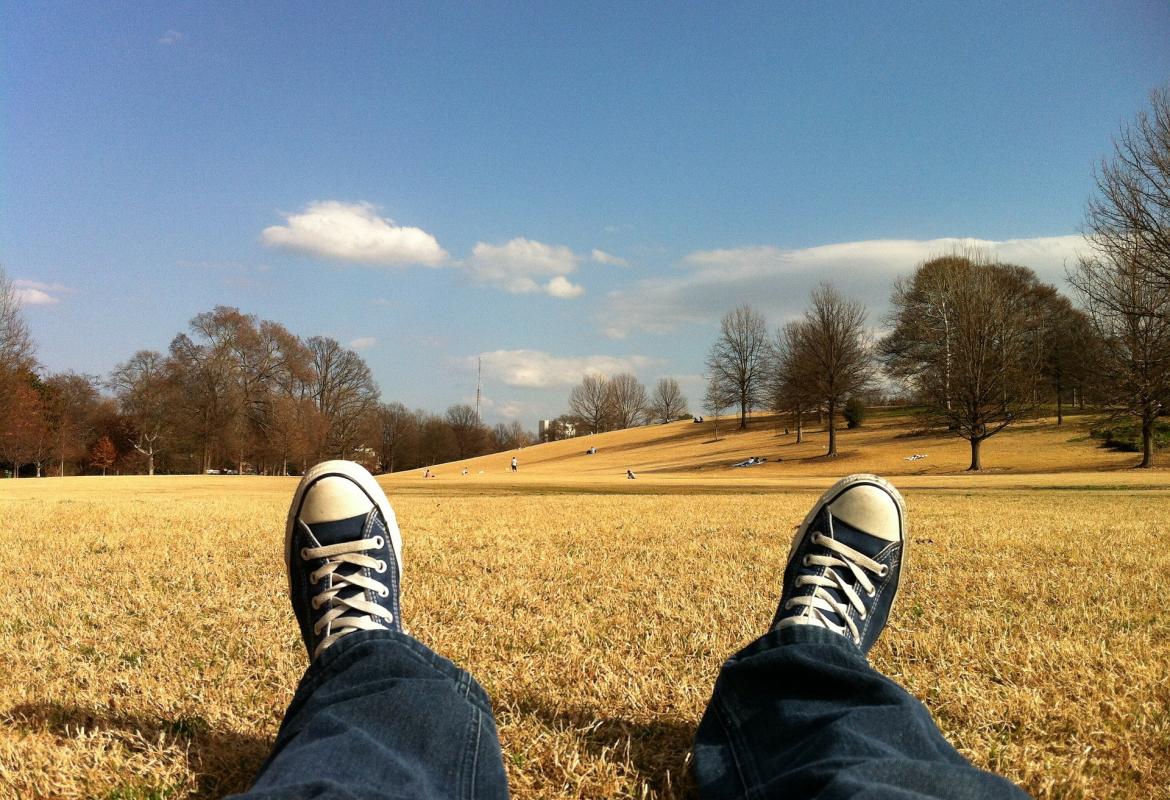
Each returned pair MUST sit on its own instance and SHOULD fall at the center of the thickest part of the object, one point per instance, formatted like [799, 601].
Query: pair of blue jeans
[798, 713]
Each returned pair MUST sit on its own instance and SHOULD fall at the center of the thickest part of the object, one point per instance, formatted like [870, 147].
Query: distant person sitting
[630, 474]
[800, 712]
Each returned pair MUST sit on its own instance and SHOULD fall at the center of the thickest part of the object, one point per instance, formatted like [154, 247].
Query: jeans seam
[736, 744]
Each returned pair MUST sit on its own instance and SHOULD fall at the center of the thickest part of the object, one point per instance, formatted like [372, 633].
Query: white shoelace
[820, 603]
[340, 619]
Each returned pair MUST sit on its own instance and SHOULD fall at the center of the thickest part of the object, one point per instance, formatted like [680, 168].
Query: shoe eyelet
[379, 542]
[805, 561]
[304, 554]
[313, 579]
[787, 605]
[381, 566]
[384, 593]
[871, 592]
[885, 570]
[316, 605]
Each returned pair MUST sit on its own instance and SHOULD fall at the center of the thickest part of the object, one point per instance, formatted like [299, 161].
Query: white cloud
[353, 232]
[602, 257]
[778, 281]
[536, 369]
[35, 293]
[519, 265]
[561, 287]
[170, 37]
[363, 342]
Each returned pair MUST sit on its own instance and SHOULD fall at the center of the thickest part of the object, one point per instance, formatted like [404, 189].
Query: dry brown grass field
[148, 650]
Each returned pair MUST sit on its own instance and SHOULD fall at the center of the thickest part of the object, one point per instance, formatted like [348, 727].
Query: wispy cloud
[519, 266]
[535, 369]
[35, 293]
[353, 232]
[602, 257]
[778, 281]
[363, 343]
[171, 37]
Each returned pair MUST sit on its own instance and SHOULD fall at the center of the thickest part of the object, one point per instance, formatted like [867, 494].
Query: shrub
[1127, 436]
[854, 412]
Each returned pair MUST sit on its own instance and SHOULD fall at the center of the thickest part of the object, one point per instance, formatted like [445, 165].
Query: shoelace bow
[340, 619]
[821, 602]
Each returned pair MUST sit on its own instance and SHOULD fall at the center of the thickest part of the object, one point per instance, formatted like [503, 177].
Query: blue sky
[558, 188]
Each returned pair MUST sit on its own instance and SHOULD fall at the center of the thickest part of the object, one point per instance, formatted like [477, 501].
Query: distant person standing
[515, 464]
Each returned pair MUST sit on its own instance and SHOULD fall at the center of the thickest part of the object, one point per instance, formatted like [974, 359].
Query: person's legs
[377, 714]
[800, 712]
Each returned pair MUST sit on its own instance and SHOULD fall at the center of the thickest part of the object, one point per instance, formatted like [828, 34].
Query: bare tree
[668, 402]
[834, 344]
[792, 383]
[143, 390]
[717, 397]
[627, 400]
[1071, 351]
[1131, 314]
[344, 390]
[468, 431]
[591, 403]
[978, 369]
[1128, 221]
[16, 345]
[510, 435]
[71, 402]
[739, 357]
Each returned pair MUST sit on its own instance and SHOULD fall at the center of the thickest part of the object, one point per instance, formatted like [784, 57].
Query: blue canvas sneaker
[343, 552]
[845, 562]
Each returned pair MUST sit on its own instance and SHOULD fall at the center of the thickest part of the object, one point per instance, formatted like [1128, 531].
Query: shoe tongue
[856, 538]
[337, 531]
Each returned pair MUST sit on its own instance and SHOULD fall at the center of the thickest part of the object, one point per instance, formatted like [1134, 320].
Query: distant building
[551, 430]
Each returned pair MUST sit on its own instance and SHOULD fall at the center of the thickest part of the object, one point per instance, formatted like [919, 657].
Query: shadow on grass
[658, 752]
[223, 761]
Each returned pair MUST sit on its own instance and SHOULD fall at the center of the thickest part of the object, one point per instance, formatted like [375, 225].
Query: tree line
[233, 393]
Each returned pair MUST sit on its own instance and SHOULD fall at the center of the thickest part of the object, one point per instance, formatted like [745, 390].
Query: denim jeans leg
[800, 713]
[379, 715]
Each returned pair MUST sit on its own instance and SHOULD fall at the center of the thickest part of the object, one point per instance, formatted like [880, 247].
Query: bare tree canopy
[344, 390]
[963, 336]
[16, 345]
[591, 403]
[468, 431]
[668, 402]
[792, 380]
[144, 394]
[717, 396]
[739, 357]
[834, 345]
[1128, 221]
[627, 400]
[1131, 316]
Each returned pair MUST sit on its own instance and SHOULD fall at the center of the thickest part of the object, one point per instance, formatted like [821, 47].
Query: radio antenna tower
[478, 385]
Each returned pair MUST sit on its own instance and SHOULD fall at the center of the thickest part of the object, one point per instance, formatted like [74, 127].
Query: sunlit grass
[149, 651]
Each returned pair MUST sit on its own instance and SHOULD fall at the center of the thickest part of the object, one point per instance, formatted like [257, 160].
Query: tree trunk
[799, 426]
[832, 429]
[150, 463]
[742, 415]
[1059, 407]
[1147, 442]
[976, 464]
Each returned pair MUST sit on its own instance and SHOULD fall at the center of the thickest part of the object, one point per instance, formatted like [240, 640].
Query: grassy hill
[688, 454]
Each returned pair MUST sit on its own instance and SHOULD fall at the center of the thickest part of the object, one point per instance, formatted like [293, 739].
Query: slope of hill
[689, 453]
